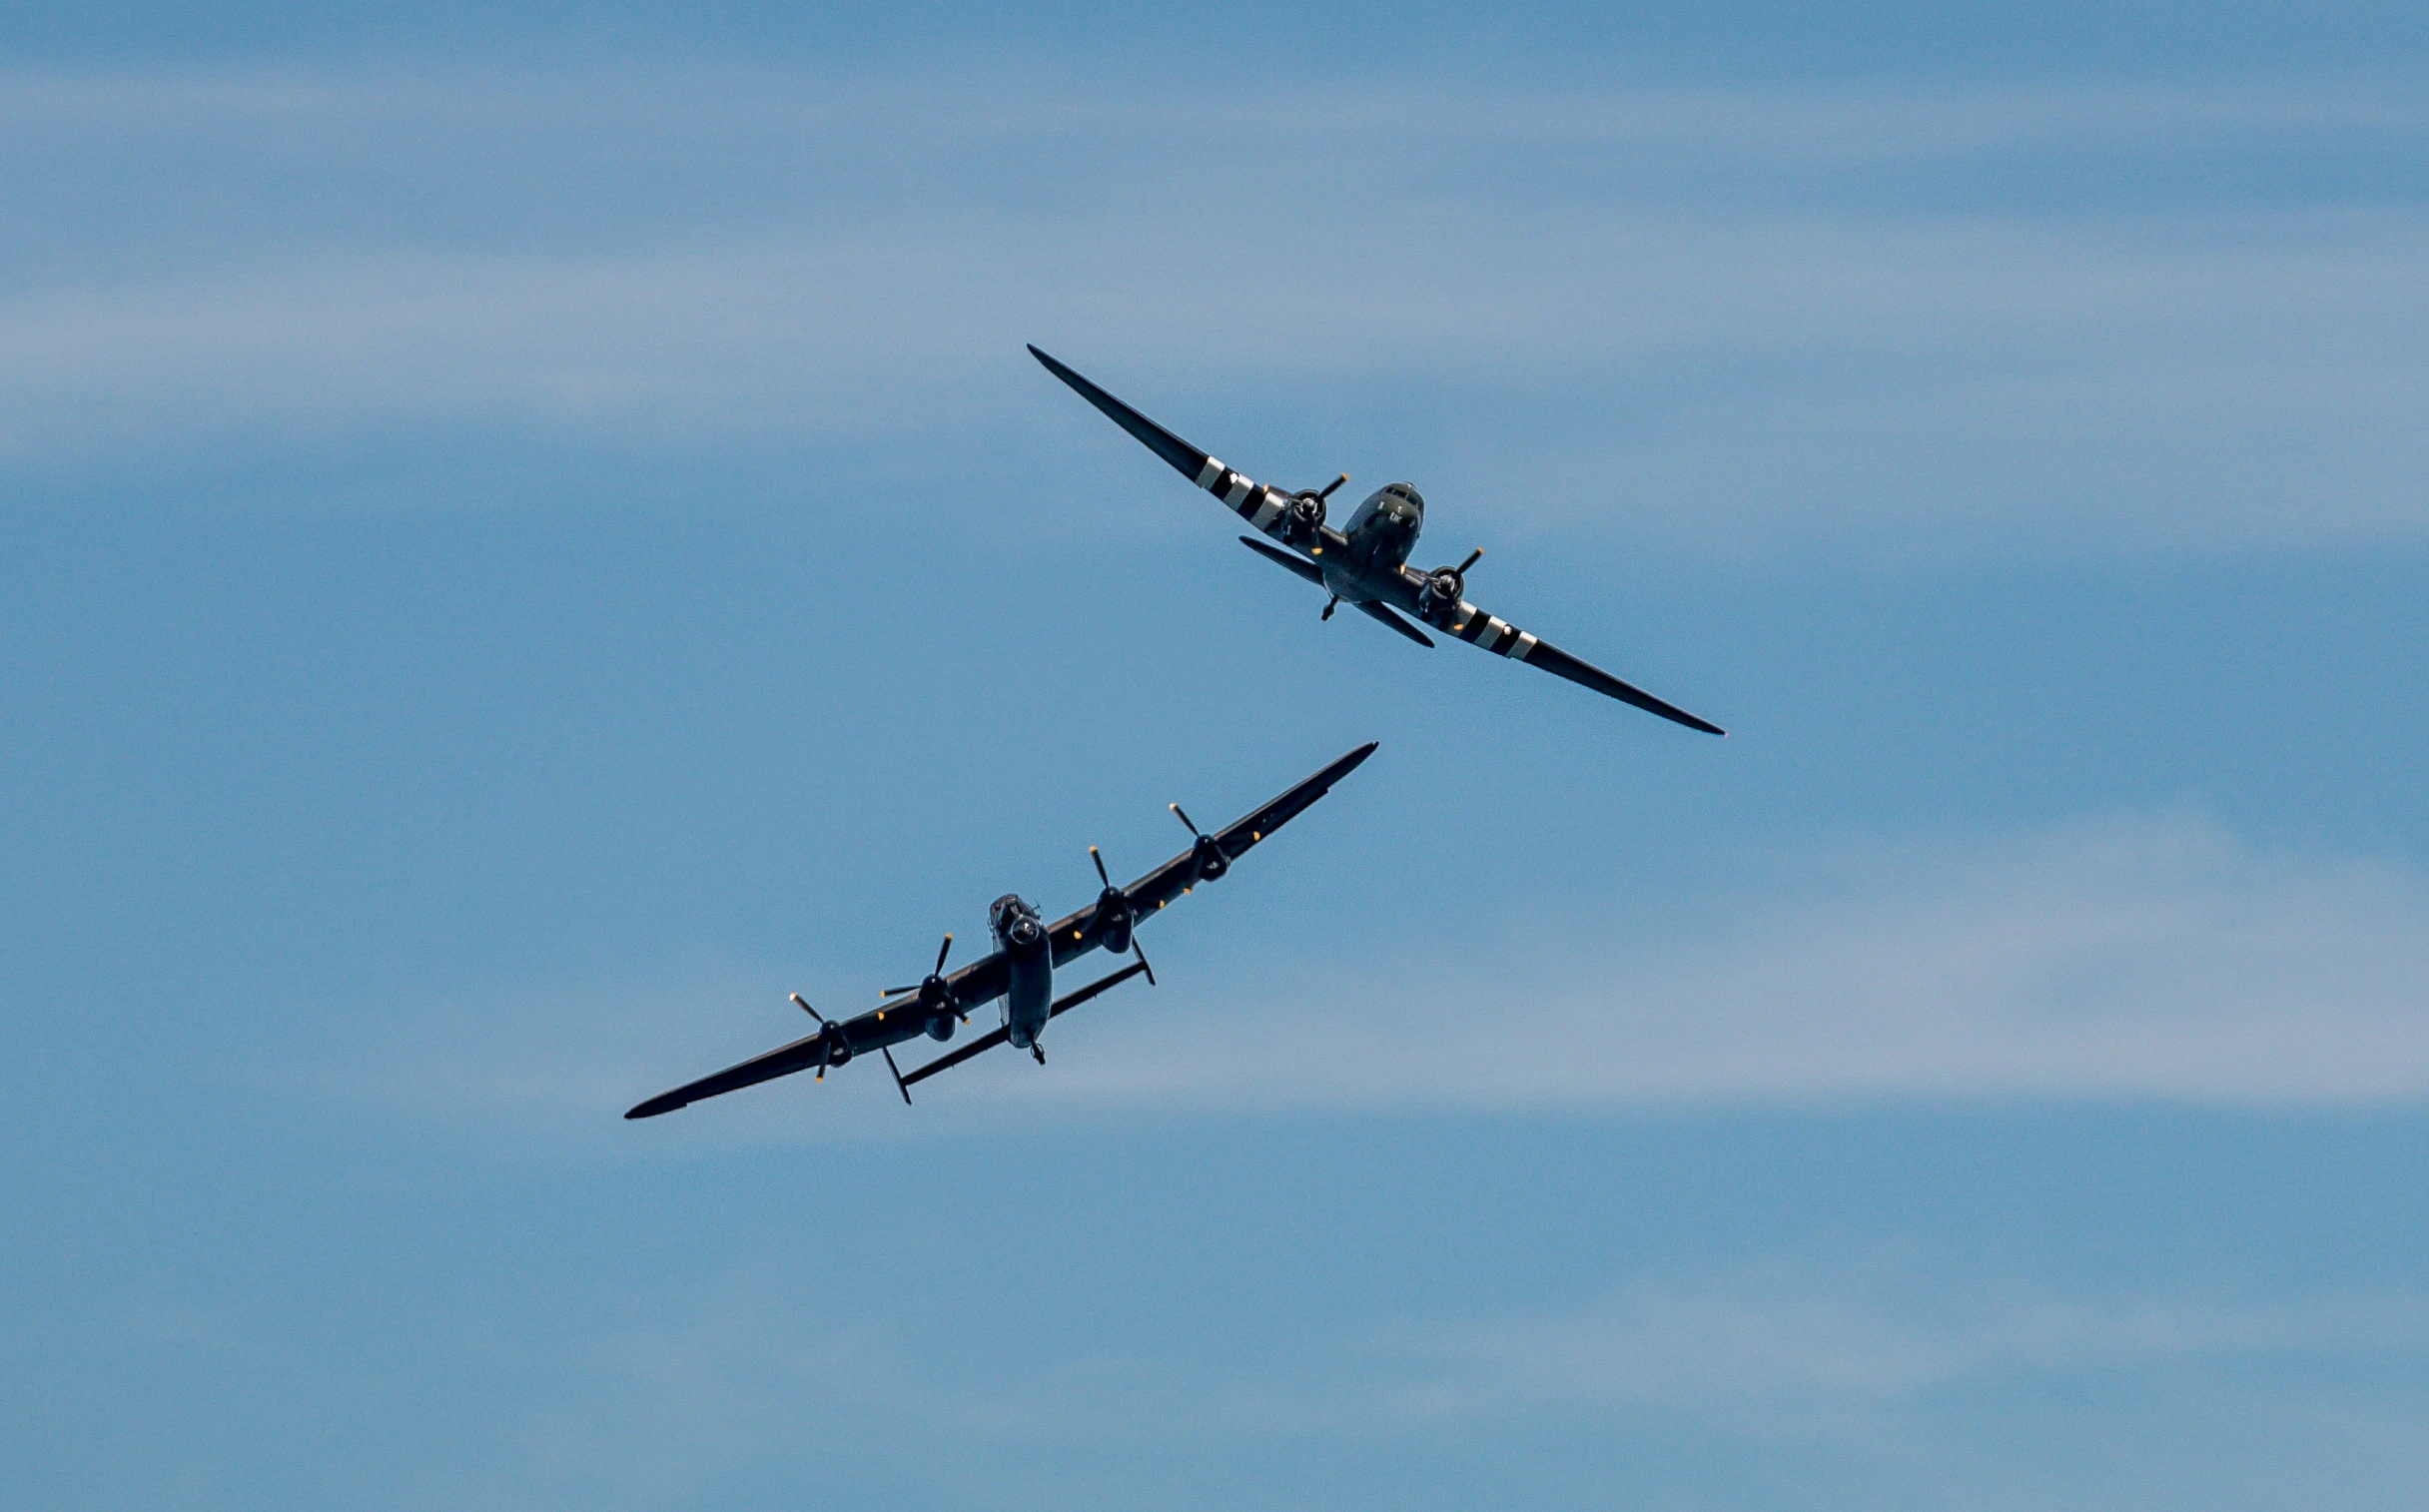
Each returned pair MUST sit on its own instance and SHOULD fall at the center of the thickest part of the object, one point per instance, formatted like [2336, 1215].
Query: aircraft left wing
[1237, 839]
[1471, 625]
[1252, 501]
[1075, 935]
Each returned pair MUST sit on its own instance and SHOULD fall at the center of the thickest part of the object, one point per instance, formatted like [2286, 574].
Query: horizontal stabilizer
[996, 1036]
[1290, 560]
[1377, 611]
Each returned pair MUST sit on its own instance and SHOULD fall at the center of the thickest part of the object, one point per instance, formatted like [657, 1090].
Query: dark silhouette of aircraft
[1365, 564]
[1021, 969]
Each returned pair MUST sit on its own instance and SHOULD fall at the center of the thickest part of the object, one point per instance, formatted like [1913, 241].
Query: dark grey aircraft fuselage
[1029, 962]
[1367, 565]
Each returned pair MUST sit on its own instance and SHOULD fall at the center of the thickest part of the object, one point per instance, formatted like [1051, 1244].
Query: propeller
[1304, 518]
[1211, 862]
[1114, 904]
[935, 993]
[837, 1049]
[1444, 587]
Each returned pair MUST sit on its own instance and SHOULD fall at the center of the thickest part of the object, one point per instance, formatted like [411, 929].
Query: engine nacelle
[1113, 920]
[1443, 589]
[838, 1049]
[1302, 520]
[940, 1026]
[1211, 862]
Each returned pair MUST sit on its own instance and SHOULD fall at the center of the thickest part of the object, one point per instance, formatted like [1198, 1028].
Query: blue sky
[533, 536]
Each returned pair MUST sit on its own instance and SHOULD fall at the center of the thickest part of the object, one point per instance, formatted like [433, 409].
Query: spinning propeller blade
[826, 1025]
[942, 952]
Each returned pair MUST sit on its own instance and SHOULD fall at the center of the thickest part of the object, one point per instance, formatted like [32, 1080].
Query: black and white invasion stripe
[1251, 501]
[1478, 628]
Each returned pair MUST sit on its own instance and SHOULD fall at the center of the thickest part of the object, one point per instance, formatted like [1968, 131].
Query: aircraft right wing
[783, 1061]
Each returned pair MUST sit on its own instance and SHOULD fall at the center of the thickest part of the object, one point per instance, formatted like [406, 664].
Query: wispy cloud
[1753, 315]
[2133, 957]
[2130, 956]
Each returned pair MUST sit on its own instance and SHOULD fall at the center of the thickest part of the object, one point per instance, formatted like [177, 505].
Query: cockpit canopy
[1397, 502]
[1006, 908]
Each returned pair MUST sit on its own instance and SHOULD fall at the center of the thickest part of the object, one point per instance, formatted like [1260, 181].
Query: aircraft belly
[1029, 993]
[1348, 582]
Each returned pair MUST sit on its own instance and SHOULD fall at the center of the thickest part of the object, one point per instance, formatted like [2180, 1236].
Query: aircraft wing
[1073, 935]
[1478, 628]
[783, 1061]
[1260, 505]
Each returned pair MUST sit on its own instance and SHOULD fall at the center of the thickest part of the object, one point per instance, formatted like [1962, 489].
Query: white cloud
[1725, 330]
[2135, 957]
[2132, 957]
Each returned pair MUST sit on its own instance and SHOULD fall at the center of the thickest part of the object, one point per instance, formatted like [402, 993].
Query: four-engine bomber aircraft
[1364, 564]
[1021, 971]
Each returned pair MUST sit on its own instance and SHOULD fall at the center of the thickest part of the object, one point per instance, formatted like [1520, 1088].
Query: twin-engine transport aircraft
[1021, 970]
[1364, 564]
